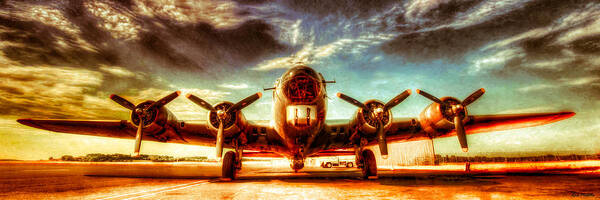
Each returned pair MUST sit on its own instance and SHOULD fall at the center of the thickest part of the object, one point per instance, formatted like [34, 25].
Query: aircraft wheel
[328, 165]
[228, 165]
[349, 165]
[369, 169]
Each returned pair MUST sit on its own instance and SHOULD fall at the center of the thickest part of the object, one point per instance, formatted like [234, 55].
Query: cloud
[453, 33]
[345, 8]
[66, 92]
[310, 54]
[581, 81]
[302, 56]
[118, 71]
[220, 14]
[234, 86]
[588, 82]
[320, 37]
[493, 61]
[120, 25]
[48, 92]
[148, 35]
[536, 87]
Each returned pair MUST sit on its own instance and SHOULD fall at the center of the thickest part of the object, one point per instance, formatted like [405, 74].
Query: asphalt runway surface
[263, 180]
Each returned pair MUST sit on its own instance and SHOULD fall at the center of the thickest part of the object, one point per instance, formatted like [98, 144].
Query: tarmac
[267, 180]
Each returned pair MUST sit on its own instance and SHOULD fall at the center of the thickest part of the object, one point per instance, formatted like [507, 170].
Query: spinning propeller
[456, 109]
[144, 112]
[377, 112]
[223, 114]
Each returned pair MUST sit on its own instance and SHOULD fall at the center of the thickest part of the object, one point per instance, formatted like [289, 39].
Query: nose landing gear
[297, 165]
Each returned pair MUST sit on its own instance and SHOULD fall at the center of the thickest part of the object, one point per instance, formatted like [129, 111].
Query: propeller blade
[122, 101]
[473, 97]
[382, 140]
[165, 100]
[138, 137]
[397, 100]
[219, 145]
[460, 133]
[352, 101]
[200, 102]
[244, 102]
[429, 96]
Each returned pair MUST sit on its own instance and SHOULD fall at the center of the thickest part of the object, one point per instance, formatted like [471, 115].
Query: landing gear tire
[328, 165]
[349, 165]
[228, 168]
[369, 169]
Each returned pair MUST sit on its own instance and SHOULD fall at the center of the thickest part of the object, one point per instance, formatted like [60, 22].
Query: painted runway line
[156, 191]
[169, 190]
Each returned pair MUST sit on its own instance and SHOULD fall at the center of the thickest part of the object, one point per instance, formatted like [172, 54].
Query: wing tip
[28, 122]
[566, 114]
[24, 120]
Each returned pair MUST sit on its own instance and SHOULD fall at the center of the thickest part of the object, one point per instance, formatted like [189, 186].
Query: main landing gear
[232, 163]
[368, 164]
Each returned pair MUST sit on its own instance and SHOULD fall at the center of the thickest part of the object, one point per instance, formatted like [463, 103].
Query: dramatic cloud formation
[137, 35]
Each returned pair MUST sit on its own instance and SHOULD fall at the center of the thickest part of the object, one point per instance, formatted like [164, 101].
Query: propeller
[222, 114]
[143, 113]
[456, 109]
[376, 113]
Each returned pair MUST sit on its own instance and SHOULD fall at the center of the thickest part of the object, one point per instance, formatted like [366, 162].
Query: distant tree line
[452, 159]
[97, 157]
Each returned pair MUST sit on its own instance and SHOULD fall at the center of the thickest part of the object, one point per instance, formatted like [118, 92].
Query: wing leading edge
[186, 132]
[409, 130]
[190, 133]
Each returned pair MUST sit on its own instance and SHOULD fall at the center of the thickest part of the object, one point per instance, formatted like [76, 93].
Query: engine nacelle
[233, 122]
[366, 122]
[160, 122]
[437, 119]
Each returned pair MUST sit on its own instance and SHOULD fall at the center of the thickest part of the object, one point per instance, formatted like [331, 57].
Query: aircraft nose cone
[301, 70]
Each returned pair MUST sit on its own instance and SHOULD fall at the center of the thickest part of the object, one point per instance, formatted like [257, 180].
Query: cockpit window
[302, 89]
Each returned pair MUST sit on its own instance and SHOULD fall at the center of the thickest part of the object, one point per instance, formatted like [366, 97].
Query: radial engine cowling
[365, 120]
[437, 119]
[157, 121]
[232, 123]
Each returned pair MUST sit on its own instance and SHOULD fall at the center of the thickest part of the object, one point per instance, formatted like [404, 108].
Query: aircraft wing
[192, 132]
[489, 123]
[339, 135]
[410, 130]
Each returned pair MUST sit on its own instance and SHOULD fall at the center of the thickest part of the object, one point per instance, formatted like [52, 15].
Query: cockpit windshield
[301, 89]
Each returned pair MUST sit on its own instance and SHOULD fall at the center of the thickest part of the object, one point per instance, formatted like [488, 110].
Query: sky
[63, 59]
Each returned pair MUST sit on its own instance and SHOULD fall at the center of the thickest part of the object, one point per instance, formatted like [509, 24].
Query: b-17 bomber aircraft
[298, 128]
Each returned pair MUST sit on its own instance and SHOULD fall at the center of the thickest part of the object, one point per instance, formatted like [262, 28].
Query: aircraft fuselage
[299, 107]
